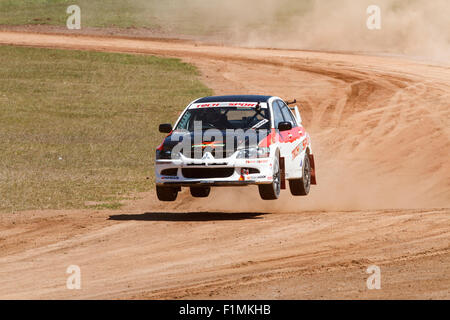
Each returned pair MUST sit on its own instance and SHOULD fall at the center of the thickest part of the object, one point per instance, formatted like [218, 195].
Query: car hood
[227, 141]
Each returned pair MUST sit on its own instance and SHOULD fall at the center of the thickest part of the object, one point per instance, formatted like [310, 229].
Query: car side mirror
[165, 128]
[284, 126]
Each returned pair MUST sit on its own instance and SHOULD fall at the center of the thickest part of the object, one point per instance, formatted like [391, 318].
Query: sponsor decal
[169, 178]
[256, 161]
[300, 148]
[296, 151]
[227, 104]
[259, 124]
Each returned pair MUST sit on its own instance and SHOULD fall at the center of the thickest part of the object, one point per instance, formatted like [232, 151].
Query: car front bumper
[236, 176]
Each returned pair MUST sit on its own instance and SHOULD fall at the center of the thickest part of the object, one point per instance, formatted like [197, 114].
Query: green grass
[19, 12]
[120, 13]
[82, 126]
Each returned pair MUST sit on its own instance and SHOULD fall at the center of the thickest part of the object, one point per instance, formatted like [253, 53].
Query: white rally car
[235, 140]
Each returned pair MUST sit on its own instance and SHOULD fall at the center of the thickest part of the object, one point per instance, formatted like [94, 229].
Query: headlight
[253, 153]
[167, 155]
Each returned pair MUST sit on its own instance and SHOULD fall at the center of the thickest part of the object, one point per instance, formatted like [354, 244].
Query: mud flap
[313, 169]
[282, 174]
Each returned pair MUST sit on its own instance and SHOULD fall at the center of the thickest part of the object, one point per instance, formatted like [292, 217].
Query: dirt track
[380, 128]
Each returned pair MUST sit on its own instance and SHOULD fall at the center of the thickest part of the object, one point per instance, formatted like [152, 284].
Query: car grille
[205, 173]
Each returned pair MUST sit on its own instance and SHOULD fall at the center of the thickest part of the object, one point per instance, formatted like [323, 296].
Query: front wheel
[200, 192]
[300, 187]
[272, 191]
[166, 193]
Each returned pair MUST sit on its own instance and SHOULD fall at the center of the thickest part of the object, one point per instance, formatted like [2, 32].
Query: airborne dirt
[380, 132]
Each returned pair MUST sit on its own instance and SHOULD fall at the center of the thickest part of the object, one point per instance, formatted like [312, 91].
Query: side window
[277, 115]
[185, 122]
[287, 114]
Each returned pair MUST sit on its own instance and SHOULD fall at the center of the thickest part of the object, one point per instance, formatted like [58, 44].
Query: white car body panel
[293, 146]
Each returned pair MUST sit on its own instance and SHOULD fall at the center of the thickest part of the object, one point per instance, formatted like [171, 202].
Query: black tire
[166, 193]
[200, 192]
[272, 191]
[300, 187]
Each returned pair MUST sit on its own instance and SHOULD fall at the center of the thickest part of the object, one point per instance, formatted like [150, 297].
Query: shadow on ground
[187, 216]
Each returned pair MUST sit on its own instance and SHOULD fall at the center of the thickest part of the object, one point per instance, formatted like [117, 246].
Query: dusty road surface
[380, 128]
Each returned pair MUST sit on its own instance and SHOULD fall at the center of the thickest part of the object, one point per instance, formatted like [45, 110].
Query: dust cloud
[417, 28]
[371, 157]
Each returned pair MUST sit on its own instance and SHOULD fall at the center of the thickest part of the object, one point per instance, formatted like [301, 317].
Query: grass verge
[82, 126]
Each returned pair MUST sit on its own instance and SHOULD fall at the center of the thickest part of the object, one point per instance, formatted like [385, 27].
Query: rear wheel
[200, 192]
[300, 187]
[272, 191]
[166, 193]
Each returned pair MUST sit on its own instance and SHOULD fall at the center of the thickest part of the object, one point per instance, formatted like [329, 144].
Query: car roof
[235, 98]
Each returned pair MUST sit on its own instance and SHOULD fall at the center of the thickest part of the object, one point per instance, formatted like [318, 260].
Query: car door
[286, 138]
[294, 138]
[283, 137]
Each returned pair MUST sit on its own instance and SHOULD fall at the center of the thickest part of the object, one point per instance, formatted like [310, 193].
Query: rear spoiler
[295, 110]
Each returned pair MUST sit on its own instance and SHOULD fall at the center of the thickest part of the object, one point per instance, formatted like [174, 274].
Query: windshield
[223, 118]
